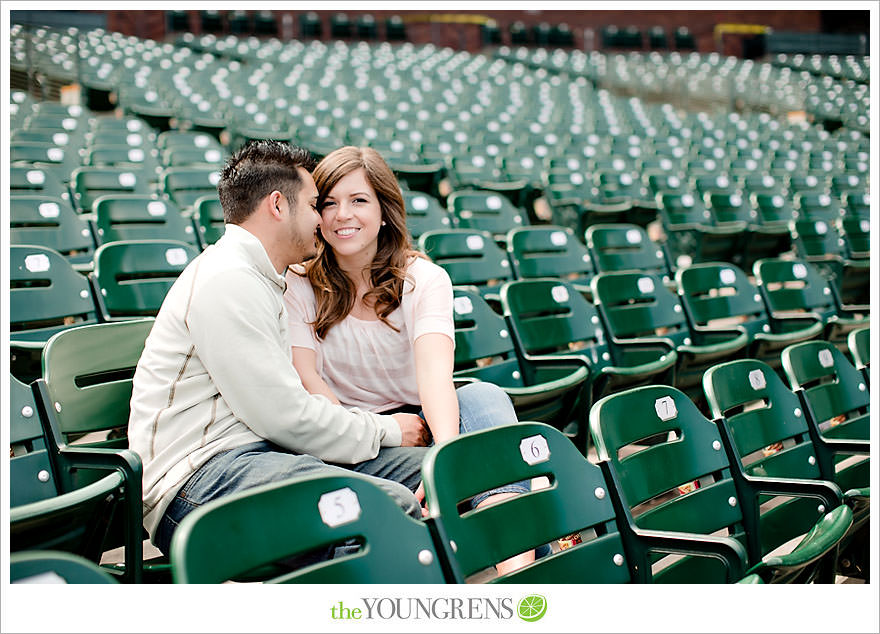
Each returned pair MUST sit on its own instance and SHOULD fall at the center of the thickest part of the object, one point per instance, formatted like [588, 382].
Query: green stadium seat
[639, 309]
[547, 389]
[668, 453]
[582, 501]
[772, 436]
[132, 277]
[91, 182]
[550, 251]
[50, 566]
[51, 222]
[141, 217]
[248, 535]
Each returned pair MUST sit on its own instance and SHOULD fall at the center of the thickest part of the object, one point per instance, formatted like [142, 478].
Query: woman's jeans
[397, 470]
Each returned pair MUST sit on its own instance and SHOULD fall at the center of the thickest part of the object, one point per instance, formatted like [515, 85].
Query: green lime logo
[532, 608]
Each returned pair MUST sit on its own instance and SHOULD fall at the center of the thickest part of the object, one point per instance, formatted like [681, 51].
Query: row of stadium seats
[669, 468]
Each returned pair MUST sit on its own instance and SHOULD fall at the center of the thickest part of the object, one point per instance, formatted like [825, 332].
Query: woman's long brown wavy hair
[334, 291]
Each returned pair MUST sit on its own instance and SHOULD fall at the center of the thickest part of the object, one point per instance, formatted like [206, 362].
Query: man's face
[303, 220]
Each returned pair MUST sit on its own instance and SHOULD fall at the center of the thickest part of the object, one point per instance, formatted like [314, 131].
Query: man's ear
[275, 203]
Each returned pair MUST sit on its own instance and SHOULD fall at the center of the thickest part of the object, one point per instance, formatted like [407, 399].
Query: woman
[371, 319]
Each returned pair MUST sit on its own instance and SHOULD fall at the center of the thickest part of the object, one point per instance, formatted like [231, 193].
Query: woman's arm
[434, 359]
[304, 360]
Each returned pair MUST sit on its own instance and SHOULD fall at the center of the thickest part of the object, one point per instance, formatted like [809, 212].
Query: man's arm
[234, 324]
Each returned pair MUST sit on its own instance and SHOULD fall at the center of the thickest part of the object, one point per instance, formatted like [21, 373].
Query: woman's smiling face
[351, 216]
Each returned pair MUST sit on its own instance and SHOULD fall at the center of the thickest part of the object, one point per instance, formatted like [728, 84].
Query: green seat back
[134, 276]
[714, 293]
[89, 183]
[424, 213]
[772, 206]
[142, 159]
[184, 185]
[176, 138]
[833, 387]
[50, 222]
[631, 430]
[636, 304]
[549, 251]
[88, 374]
[816, 239]
[240, 533]
[137, 217]
[45, 294]
[730, 207]
[209, 217]
[760, 412]
[548, 316]
[682, 208]
[469, 257]
[794, 286]
[35, 181]
[577, 501]
[625, 247]
[856, 233]
[485, 211]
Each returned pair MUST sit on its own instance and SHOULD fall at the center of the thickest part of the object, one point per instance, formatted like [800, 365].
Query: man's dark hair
[255, 171]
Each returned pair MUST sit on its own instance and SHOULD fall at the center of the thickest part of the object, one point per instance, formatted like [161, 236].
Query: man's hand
[420, 496]
[413, 429]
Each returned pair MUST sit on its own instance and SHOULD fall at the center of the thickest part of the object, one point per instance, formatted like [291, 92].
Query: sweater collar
[255, 252]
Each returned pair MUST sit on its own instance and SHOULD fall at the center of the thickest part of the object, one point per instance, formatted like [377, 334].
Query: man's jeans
[397, 470]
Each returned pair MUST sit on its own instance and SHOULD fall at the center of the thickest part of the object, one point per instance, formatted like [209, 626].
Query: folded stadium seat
[173, 139]
[143, 161]
[664, 181]
[29, 180]
[625, 187]
[59, 160]
[132, 277]
[54, 136]
[146, 104]
[208, 219]
[548, 389]
[772, 434]
[88, 183]
[46, 295]
[550, 251]
[638, 308]
[774, 208]
[549, 317]
[796, 181]
[759, 240]
[141, 217]
[662, 450]
[626, 247]
[51, 222]
[488, 211]
[471, 258]
[87, 372]
[575, 202]
[856, 203]
[180, 156]
[246, 536]
[424, 213]
[691, 235]
[417, 172]
[836, 391]
[848, 182]
[51, 506]
[48, 566]
[796, 294]
[718, 296]
[474, 170]
[606, 547]
[816, 205]
[186, 184]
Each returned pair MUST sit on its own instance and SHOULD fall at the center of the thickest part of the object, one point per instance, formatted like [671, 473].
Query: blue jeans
[397, 470]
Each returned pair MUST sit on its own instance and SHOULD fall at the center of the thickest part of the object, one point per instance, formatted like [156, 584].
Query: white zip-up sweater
[216, 374]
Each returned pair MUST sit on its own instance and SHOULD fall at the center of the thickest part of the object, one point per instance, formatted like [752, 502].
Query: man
[217, 406]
